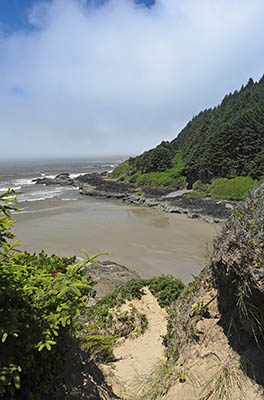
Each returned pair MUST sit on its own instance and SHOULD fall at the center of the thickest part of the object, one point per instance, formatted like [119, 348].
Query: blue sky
[79, 78]
[13, 13]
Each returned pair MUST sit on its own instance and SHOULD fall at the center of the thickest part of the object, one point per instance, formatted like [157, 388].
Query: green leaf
[41, 346]
[4, 337]
[75, 290]
[16, 379]
[98, 255]
[86, 253]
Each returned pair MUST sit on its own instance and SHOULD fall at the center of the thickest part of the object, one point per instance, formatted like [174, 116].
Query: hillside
[226, 141]
[214, 342]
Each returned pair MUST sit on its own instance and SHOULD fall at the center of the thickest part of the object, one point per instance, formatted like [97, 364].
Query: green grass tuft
[232, 189]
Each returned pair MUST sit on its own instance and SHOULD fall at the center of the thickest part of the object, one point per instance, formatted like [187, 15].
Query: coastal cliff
[214, 342]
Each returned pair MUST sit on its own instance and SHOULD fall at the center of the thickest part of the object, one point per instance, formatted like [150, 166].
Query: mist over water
[18, 175]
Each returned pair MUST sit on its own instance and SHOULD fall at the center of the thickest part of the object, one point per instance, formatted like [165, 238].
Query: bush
[200, 186]
[162, 179]
[40, 298]
[166, 288]
[120, 171]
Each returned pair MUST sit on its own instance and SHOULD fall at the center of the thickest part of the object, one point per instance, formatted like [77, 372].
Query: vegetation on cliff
[237, 264]
[214, 341]
[107, 318]
[226, 141]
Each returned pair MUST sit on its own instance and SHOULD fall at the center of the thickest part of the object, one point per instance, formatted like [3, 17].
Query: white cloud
[122, 77]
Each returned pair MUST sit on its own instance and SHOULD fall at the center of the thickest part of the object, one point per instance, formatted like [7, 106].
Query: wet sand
[149, 241]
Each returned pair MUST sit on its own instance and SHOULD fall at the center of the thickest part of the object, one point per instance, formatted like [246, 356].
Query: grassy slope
[222, 142]
[227, 189]
[169, 178]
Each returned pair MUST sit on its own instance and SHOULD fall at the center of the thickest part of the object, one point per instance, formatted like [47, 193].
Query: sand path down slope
[137, 356]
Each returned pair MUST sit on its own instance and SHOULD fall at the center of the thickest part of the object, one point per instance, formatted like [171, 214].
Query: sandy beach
[149, 241]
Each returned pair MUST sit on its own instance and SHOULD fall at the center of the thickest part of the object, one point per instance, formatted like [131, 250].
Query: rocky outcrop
[164, 199]
[109, 276]
[97, 185]
[63, 179]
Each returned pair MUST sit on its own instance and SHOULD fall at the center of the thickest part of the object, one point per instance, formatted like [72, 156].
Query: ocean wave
[23, 182]
[40, 195]
[50, 176]
[72, 176]
[68, 199]
[108, 165]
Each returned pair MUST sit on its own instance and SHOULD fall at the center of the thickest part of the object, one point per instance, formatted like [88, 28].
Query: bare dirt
[211, 367]
[136, 356]
[207, 369]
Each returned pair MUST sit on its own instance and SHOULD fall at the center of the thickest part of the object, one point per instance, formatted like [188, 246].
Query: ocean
[19, 175]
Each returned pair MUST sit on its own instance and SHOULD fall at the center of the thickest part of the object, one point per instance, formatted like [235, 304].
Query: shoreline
[98, 185]
[150, 242]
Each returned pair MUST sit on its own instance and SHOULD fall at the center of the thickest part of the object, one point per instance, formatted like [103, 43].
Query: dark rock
[43, 181]
[109, 276]
[63, 175]
[97, 185]
[61, 179]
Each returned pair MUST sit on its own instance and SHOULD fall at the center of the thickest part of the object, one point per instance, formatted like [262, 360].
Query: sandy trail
[137, 356]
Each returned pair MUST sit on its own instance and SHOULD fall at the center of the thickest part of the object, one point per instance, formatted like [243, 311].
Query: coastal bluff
[213, 345]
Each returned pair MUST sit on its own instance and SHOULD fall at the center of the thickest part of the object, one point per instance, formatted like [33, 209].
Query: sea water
[20, 175]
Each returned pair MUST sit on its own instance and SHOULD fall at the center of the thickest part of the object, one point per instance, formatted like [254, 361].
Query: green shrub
[40, 298]
[5, 220]
[164, 176]
[200, 186]
[166, 288]
[120, 171]
[232, 189]
[167, 178]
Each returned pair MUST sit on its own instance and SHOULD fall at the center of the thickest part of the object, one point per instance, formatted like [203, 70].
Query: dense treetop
[225, 141]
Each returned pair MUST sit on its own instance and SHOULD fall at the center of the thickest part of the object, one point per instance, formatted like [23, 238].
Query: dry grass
[154, 385]
[226, 383]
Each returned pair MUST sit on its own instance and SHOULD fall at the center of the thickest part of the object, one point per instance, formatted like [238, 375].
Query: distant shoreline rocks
[181, 201]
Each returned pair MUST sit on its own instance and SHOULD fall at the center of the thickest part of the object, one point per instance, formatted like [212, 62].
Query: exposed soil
[211, 367]
[136, 356]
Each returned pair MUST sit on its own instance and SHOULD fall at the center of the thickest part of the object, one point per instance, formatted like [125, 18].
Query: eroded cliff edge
[214, 346]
